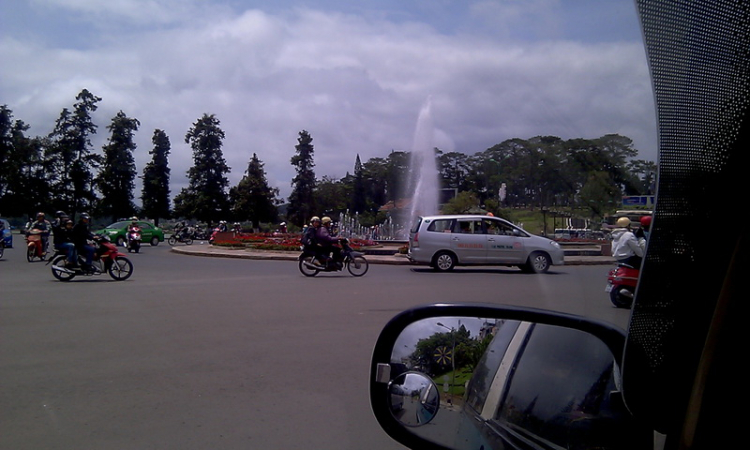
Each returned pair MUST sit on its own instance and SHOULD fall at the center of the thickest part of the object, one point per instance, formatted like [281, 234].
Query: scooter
[35, 246]
[134, 240]
[181, 236]
[621, 283]
[352, 260]
[106, 259]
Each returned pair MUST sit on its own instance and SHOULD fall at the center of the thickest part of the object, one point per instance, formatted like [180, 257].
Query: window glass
[440, 225]
[487, 367]
[561, 383]
[415, 228]
[469, 227]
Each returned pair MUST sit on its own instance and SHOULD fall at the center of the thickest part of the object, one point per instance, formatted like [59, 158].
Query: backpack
[308, 237]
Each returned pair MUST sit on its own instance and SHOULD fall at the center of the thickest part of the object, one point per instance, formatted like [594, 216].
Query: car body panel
[117, 231]
[6, 237]
[477, 239]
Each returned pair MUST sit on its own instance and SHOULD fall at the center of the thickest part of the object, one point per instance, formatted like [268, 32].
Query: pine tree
[69, 159]
[301, 203]
[205, 198]
[252, 199]
[116, 179]
[24, 189]
[155, 194]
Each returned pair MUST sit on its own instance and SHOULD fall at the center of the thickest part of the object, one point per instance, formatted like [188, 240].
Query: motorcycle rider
[310, 241]
[325, 240]
[42, 225]
[81, 236]
[133, 227]
[626, 248]
[63, 240]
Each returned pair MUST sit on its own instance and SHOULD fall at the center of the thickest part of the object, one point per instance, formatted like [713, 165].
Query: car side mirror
[475, 376]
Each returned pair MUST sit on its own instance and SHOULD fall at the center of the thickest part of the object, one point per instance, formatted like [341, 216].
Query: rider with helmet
[81, 236]
[325, 240]
[63, 238]
[44, 228]
[625, 246]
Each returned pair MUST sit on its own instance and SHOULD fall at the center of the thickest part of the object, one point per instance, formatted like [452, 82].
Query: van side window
[469, 227]
[441, 225]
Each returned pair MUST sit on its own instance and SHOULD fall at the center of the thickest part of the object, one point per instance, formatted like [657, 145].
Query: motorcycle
[35, 246]
[181, 236]
[134, 240]
[621, 283]
[352, 260]
[106, 259]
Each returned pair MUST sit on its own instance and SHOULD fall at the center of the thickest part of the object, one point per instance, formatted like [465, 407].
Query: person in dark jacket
[63, 240]
[81, 236]
[326, 241]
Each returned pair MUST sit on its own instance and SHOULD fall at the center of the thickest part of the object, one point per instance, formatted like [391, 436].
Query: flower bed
[276, 241]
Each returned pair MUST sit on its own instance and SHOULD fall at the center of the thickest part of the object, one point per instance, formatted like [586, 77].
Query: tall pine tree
[205, 198]
[252, 199]
[155, 193]
[69, 159]
[116, 179]
[301, 201]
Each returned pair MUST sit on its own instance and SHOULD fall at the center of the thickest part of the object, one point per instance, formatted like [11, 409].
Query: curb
[213, 252]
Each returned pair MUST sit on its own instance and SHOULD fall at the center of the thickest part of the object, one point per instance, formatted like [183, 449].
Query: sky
[353, 74]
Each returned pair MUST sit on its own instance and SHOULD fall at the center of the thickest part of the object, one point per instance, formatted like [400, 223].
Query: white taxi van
[444, 242]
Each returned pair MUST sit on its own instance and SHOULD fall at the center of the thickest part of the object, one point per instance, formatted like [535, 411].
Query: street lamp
[453, 359]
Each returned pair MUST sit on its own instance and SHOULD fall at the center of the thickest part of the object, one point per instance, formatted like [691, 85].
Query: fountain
[424, 173]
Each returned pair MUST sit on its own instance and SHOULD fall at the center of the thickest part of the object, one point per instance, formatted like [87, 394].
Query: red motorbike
[134, 239]
[106, 259]
[35, 246]
[621, 284]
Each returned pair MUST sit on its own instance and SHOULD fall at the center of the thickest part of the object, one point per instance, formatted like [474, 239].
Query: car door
[504, 244]
[147, 231]
[468, 241]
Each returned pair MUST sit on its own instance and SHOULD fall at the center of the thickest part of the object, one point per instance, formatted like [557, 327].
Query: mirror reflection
[414, 399]
[509, 383]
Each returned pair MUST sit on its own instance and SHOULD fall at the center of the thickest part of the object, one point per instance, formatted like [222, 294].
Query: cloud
[356, 82]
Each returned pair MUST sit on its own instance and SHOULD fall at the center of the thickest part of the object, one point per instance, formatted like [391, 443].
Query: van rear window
[415, 228]
[441, 226]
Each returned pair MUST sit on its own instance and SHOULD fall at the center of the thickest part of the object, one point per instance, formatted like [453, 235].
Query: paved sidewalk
[224, 252]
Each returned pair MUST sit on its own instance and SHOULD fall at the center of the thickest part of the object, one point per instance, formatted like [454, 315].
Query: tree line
[61, 171]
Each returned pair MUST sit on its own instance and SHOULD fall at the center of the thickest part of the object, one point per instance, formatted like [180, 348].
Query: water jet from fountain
[423, 176]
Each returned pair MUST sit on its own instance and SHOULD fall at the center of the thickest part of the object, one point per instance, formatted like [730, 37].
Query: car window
[144, 226]
[550, 392]
[415, 228]
[498, 227]
[481, 380]
[441, 225]
[468, 227]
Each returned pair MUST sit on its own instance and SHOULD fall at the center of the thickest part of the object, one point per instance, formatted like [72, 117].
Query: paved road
[197, 353]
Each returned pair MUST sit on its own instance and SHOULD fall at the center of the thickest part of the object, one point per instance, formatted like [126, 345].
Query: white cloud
[356, 83]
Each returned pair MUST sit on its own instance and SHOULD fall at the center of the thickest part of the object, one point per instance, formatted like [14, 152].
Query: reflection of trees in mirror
[434, 355]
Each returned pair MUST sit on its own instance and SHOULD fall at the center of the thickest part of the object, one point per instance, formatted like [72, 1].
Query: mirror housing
[579, 342]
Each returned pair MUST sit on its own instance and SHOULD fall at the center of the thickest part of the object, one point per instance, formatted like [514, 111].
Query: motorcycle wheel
[172, 240]
[188, 241]
[121, 268]
[307, 271]
[358, 266]
[619, 299]
[2, 249]
[59, 271]
[30, 253]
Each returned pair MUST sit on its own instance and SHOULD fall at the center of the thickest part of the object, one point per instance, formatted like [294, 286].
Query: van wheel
[537, 263]
[444, 262]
